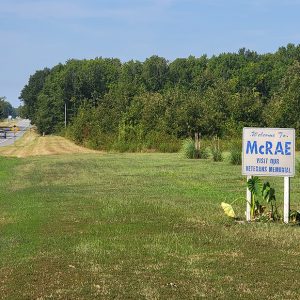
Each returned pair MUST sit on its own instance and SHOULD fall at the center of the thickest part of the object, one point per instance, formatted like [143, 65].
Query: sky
[37, 34]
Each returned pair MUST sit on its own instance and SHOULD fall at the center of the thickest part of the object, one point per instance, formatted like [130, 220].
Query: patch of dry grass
[5, 220]
[32, 144]
[8, 123]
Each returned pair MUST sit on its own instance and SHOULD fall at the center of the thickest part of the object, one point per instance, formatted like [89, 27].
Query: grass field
[137, 226]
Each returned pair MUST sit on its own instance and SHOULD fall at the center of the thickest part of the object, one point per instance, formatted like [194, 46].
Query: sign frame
[286, 208]
[270, 157]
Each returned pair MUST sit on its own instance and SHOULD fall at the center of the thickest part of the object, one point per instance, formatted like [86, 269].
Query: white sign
[268, 152]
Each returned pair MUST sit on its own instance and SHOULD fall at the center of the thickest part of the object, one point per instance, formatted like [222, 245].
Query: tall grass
[236, 152]
[188, 150]
[217, 155]
[216, 150]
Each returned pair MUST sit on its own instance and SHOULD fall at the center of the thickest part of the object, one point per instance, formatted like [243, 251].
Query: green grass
[138, 226]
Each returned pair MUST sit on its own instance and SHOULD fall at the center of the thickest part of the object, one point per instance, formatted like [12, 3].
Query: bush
[216, 149]
[217, 154]
[188, 148]
[203, 153]
[236, 156]
[189, 151]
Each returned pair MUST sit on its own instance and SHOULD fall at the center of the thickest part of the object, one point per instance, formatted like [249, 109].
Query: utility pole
[65, 114]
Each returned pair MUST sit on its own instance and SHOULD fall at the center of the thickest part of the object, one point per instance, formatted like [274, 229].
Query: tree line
[156, 103]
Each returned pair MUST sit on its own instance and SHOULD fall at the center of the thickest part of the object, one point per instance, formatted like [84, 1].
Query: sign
[268, 152]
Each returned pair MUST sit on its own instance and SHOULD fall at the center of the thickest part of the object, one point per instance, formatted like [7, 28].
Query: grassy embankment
[32, 144]
[137, 226]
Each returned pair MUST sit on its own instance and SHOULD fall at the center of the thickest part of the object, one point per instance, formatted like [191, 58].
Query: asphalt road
[11, 137]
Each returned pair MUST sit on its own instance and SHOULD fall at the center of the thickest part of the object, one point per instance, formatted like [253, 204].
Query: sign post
[269, 152]
[248, 198]
[286, 208]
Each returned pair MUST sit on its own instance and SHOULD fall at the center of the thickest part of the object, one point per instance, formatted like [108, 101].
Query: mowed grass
[32, 144]
[137, 226]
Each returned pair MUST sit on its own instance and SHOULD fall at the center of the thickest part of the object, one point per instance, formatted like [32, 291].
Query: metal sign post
[286, 207]
[248, 205]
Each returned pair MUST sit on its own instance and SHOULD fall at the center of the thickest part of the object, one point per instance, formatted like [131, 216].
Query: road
[11, 137]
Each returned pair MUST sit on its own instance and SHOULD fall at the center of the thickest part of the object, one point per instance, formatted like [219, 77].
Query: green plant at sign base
[295, 216]
[268, 194]
[255, 187]
[257, 211]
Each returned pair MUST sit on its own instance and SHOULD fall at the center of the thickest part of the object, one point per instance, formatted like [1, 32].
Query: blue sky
[37, 34]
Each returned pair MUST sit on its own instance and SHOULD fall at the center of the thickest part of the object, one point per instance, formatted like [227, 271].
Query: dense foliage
[135, 105]
[6, 109]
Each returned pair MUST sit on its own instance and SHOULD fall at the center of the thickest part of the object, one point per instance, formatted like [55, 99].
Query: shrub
[236, 156]
[203, 153]
[216, 150]
[188, 148]
[189, 151]
[217, 154]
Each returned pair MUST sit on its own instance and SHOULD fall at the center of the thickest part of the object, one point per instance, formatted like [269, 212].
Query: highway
[11, 136]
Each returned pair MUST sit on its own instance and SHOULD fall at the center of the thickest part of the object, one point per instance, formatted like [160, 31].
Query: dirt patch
[32, 144]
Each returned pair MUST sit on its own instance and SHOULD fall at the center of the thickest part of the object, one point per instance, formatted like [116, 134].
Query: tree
[217, 95]
[30, 92]
[284, 109]
[155, 73]
[6, 109]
